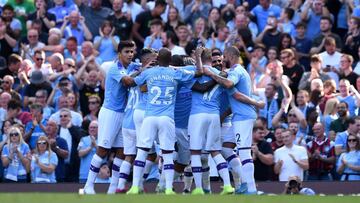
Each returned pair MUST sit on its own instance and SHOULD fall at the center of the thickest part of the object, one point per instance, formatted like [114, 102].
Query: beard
[226, 64]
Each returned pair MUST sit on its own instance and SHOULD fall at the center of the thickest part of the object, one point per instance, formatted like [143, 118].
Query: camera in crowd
[294, 187]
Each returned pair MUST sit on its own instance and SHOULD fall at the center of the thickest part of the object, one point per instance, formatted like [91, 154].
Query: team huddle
[189, 108]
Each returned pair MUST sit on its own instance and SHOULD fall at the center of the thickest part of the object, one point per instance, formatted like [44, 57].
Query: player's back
[208, 102]
[162, 86]
[241, 111]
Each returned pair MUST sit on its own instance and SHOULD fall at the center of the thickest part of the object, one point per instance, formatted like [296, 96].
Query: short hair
[14, 104]
[256, 128]
[164, 57]
[66, 110]
[315, 58]
[125, 44]
[290, 12]
[326, 18]
[36, 107]
[160, 3]
[177, 60]
[145, 51]
[304, 92]
[260, 46]
[329, 41]
[14, 58]
[234, 51]
[352, 120]
[59, 57]
[206, 55]
[72, 38]
[8, 7]
[348, 57]
[43, 92]
[156, 21]
[301, 24]
[290, 52]
[262, 120]
[216, 52]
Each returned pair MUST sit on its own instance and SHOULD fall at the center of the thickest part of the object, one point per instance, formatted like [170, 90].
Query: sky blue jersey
[208, 102]
[242, 83]
[115, 91]
[162, 86]
[183, 101]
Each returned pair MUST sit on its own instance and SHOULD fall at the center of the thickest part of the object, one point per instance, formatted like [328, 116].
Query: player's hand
[260, 104]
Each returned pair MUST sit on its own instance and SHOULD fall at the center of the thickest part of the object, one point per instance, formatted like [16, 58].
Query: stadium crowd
[303, 58]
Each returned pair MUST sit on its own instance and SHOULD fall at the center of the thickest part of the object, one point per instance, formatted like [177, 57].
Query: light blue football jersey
[162, 85]
[242, 83]
[141, 105]
[224, 106]
[183, 101]
[208, 102]
[115, 91]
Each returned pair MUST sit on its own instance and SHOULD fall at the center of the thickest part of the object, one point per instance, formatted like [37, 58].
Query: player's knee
[102, 152]
[152, 157]
[229, 145]
[195, 152]
[130, 158]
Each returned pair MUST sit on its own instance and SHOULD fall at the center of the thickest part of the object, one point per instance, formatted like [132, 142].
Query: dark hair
[14, 104]
[346, 104]
[125, 44]
[160, 3]
[14, 58]
[106, 23]
[164, 57]
[3, 124]
[8, 7]
[290, 12]
[171, 35]
[246, 35]
[145, 51]
[256, 128]
[36, 107]
[72, 38]
[301, 24]
[156, 21]
[262, 120]
[216, 52]
[177, 60]
[326, 18]
[352, 120]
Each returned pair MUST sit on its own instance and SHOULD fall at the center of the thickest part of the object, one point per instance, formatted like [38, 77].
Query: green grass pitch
[70, 198]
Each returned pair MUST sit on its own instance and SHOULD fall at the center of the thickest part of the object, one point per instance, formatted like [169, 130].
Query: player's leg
[205, 178]
[213, 145]
[243, 129]
[106, 136]
[144, 142]
[196, 127]
[129, 139]
[183, 151]
[188, 179]
[166, 129]
[118, 145]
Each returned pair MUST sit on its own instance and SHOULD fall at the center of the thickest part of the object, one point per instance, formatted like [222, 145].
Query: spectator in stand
[218, 39]
[215, 21]
[329, 115]
[174, 19]
[73, 102]
[302, 101]
[76, 118]
[352, 38]
[55, 44]
[93, 15]
[121, 20]
[321, 155]
[13, 111]
[349, 162]
[196, 9]
[277, 143]
[14, 157]
[7, 43]
[154, 40]
[41, 97]
[89, 53]
[200, 32]
[303, 45]
[59, 146]
[357, 66]
[14, 64]
[77, 27]
[319, 43]
[346, 70]
[37, 82]
[341, 138]
[61, 11]
[315, 72]
[291, 69]
[241, 20]
[270, 36]
[183, 34]
[272, 55]
[28, 50]
[169, 40]
[6, 86]
[3, 141]
[312, 11]
[36, 127]
[262, 122]
[39, 64]
[94, 108]
[331, 59]
[106, 44]
[48, 19]
[141, 29]
[340, 124]
[329, 92]
[44, 162]
[350, 95]
[262, 155]
[290, 159]
[22, 9]
[285, 22]
[72, 50]
[262, 11]
[8, 14]
[286, 42]
[86, 149]
[72, 134]
[4, 100]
